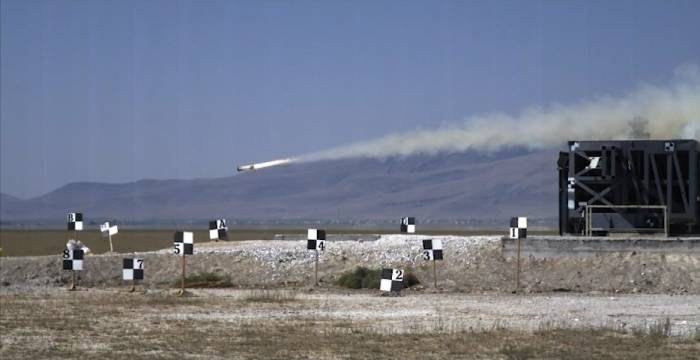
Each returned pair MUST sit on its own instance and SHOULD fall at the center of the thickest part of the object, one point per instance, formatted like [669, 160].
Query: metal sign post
[184, 245]
[315, 240]
[72, 281]
[182, 283]
[518, 231]
[316, 269]
[517, 272]
[434, 274]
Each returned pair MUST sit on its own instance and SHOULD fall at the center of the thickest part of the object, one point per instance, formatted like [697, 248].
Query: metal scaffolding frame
[626, 175]
[589, 212]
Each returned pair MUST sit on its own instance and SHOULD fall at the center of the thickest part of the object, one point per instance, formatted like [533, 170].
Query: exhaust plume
[648, 112]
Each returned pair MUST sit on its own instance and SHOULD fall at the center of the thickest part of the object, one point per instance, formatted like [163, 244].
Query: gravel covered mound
[472, 264]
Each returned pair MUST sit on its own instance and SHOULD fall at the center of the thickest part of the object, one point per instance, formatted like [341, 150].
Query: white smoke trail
[667, 112]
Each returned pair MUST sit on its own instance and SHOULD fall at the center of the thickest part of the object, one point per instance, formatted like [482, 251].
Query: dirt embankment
[472, 264]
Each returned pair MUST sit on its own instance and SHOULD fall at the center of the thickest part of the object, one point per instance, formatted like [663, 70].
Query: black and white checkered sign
[217, 230]
[316, 239]
[184, 243]
[108, 229]
[75, 221]
[73, 259]
[132, 269]
[408, 225]
[392, 280]
[670, 146]
[432, 249]
[518, 228]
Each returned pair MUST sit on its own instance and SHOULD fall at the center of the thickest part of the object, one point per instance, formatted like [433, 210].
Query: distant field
[50, 242]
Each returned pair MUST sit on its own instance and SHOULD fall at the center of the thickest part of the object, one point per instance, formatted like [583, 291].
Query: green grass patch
[364, 278]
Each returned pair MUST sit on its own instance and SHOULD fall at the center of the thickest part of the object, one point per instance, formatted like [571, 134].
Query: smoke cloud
[647, 112]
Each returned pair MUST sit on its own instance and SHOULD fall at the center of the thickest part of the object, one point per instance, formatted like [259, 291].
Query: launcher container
[648, 186]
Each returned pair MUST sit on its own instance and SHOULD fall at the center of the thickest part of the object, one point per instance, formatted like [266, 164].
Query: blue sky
[118, 91]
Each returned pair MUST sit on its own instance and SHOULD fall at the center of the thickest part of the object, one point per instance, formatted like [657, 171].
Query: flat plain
[331, 324]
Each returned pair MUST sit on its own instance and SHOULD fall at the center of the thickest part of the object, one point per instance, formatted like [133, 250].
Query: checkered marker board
[670, 146]
[217, 230]
[432, 249]
[184, 243]
[132, 269]
[108, 229]
[73, 259]
[75, 221]
[392, 280]
[518, 228]
[408, 225]
[316, 239]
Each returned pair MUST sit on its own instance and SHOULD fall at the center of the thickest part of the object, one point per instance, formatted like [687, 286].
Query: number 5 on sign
[177, 250]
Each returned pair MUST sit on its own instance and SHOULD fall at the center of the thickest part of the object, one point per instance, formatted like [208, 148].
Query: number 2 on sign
[398, 274]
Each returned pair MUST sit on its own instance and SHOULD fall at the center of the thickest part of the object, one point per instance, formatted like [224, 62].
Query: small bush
[268, 296]
[205, 280]
[515, 352]
[656, 332]
[364, 278]
[660, 330]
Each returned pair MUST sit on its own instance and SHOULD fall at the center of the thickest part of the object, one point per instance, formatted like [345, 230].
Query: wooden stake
[517, 274]
[316, 269]
[182, 285]
[72, 280]
[434, 273]
[133, 285]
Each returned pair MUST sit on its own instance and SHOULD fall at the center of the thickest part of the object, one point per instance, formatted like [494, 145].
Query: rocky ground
[471, 264]
[614, 305]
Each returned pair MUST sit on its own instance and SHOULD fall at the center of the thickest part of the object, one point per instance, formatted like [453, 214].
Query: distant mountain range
[440, 187]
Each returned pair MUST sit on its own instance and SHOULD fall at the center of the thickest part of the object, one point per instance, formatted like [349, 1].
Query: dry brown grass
[118, 325]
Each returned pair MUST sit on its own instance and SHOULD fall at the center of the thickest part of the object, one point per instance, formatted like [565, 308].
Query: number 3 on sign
[426, 254]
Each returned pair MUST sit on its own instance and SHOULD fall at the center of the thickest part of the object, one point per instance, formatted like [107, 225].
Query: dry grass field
[289, 324]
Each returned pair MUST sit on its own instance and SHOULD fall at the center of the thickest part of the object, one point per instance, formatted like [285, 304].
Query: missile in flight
[262, 165]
